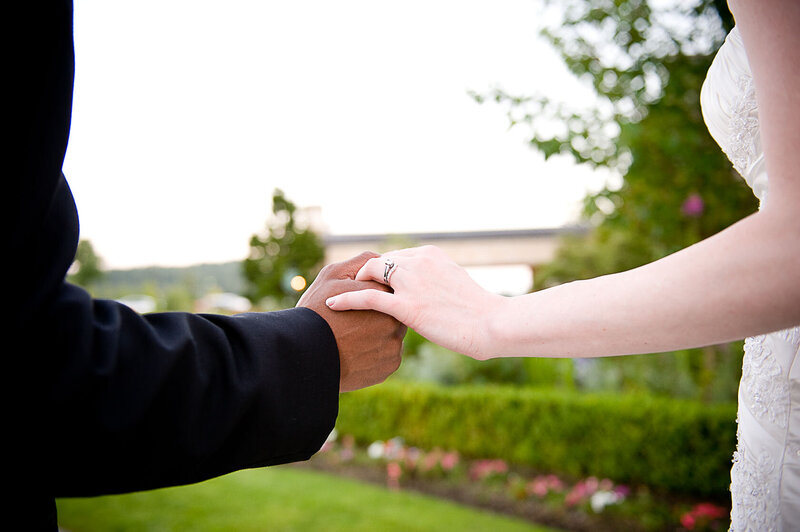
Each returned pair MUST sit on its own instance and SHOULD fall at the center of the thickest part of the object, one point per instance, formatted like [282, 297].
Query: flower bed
[580, 504]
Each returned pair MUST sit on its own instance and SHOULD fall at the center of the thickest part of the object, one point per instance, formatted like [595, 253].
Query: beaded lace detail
[755, 479]
[754, 493]
[764, 388]
[741, 147]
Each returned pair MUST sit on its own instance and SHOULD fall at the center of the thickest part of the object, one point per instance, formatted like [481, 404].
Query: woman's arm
[745, 280]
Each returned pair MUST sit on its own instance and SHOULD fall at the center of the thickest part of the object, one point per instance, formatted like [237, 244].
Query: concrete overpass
[531, 247]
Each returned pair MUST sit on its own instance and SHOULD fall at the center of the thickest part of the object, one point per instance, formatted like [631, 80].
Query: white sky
[187, 114]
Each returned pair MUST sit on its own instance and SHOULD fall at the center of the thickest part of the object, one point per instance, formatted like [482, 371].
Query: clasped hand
[431, 294]
[369, 342]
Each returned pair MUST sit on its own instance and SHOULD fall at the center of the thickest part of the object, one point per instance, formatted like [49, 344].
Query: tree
[87, 267]
[646, 65]
[625, 50]
[678, 189]
[283, 259]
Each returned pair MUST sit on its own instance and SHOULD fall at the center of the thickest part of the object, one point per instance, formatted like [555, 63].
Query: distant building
[139, 302]
[224, 302]
[502, 261]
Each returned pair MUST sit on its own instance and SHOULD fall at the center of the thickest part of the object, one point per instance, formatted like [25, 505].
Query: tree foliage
[623, 49]
[87, 268]
[646, 62]
[678, 189]
[646, 65]
[287, 249]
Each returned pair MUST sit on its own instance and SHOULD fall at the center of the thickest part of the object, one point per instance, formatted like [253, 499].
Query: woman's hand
[433, 295]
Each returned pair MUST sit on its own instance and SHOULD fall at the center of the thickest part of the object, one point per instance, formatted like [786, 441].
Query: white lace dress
[765, 478]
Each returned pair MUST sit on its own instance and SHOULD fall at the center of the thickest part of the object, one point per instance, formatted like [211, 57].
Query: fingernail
[330, 301]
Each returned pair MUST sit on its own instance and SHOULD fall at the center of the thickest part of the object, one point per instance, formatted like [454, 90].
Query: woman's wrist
[496, 327]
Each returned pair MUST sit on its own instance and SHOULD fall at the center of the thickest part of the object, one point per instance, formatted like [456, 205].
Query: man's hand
[369, 342]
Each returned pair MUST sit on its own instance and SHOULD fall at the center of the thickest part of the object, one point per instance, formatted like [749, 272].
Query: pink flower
[703, 514]
[576, 495]
[710, 511]
[431, 459]
[622, 491]
[554, 483]
[393, 474]
[393, 449]
[394, 470]
[500, 466]
[346, 454]
[477, 470]
[449, 461]
[582, 491]
[542, 485]
[481, 469]
[693, 206]
[412, 457]
[538, 487]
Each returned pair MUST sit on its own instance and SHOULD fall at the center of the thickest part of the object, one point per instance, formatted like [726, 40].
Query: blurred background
[222, 153]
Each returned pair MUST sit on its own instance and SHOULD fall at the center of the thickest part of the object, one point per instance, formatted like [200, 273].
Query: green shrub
[681, 446]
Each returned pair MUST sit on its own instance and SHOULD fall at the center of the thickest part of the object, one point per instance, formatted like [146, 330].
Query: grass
[279, 499]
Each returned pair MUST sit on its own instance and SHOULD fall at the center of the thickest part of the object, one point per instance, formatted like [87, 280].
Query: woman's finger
[372, 270]
[380, 269]
[365, 300]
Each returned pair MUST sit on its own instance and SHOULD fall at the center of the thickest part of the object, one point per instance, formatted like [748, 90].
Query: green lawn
[277, 499]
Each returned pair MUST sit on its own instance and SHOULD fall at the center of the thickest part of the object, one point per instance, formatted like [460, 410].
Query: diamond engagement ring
[388, 270]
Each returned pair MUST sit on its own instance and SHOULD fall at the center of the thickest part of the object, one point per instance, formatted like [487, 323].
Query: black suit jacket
[99, 399]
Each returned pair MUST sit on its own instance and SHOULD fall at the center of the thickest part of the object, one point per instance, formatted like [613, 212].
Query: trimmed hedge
[680, 446]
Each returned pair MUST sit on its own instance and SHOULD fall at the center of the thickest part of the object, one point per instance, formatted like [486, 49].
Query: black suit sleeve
[99, 398]
[141, 402]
